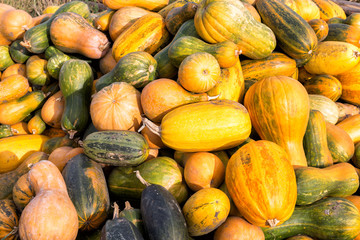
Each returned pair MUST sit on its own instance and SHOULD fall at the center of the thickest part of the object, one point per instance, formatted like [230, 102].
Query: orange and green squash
[329, 9]
[152, 5]
[13, 87]
[5, 58]
[326, 106]
[9, 220]
[326, 85]
[19, 53]
[36, 125]
[320, 28]
[340, 143]
[17, 68]
[352, 127]
[103, 19]
[22, 192]
[349, 82]
[307, 9]
[37, 73]
[177, 16]
[15, 23]
[343, 33]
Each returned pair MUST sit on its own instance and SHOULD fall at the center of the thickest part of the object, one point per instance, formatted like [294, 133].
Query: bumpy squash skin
[326, 85]
[164, 67]
[295, 36]
[9, 179]
[148, 34]
[135, 68]
[273, 65]
[255, 40]
[177, 16]
[120, 228]
[75, 82]
[37, 39]
[280, 96]
[313, 184]
[328, 219]
[189, 133]
[5, 131]
[264, 199]
[226, 53]
[17, 110]
[8, 219]
[84, 39]
[163, 171]
[117, 148]
[333, 57]
[162, 214]
[315, 141]
[343, 33]
[86, 185]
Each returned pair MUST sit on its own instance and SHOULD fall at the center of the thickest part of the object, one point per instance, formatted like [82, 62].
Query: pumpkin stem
[33, 131]
[116, 211]
[152, 126]
[25, 44]
[102, 47]
[128, 206]
[356, 54]
[13, 232]
[272, 222]
[25, 27]
[213, 97]
[142, 180]
[238, 52]
[71, 133]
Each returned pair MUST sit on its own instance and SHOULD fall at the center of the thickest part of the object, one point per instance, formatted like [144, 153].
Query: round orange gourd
[263, 196]
[53, 109]
[116, 107]
[206, 210]
[36, 72]
[124, 18]
[203, 170]
[13, 87]
[14, 23]
[50, 207]
[199, 72]
[236, 228]
[17, 68]
[279, 110]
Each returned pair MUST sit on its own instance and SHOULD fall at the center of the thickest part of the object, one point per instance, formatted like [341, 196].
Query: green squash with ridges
[135, 68]
[5, 58]
[295, 36]
[162, 215]
[327, 219]
[117, 148]
[5, 131]
[19, 53]
[52, 51]
[134, 216]
[75, 81]
[313, 184]
[55, 63]
[86, 185]
[163, 171]
[37, 39]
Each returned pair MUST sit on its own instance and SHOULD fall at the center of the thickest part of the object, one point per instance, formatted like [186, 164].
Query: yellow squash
[14, 150]
[153, 5]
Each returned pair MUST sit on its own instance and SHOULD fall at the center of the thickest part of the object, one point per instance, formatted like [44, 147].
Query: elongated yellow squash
[153, 5]
[14, 150]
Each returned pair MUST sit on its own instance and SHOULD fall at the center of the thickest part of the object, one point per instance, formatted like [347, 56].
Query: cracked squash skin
[206, 126]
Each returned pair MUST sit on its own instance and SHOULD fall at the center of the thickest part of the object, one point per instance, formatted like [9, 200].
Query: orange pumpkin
[14, 69]
[236, 228]
[199, 72]
[203, 170]
[8, 219]
[13, 87]
[53, 109]
[14, 23]
[116, 107]
[279, 109]
[263, 196]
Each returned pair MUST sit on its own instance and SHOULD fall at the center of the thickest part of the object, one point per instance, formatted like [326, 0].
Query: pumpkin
[326, 106]
[320, 28]
[326, 85]
[50, 207]
[52, 110]
[13, 87]
[8, 219]
[254, 39]
[84, 39]
[119, 104]
[349, 82]
[290, 99]
[203, 170]
[263, 196]
[123, 18]
[163, 95]
[329, 9]
[206, 210]
[237, 228]
[199, 72]
[14, 24]
[36, 72]
[351, 126]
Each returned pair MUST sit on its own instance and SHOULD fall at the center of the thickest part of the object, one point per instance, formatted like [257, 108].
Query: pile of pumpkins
[179, 119]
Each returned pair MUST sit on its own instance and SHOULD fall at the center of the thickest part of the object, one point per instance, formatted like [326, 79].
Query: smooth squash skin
[75, 82]
[152, 5]
[352, 127]
[263, 196]
[313, 184]
[268, 102]
[119, 228]
[326, 106]
[84, 39]
[17, 110]
[350, 85]
[333, 57]
[177, 16]
[14, 150]
[326, 85]
[320, 28]
[343, 33]
[206, 126]
[148, 34]
[103, 19]
[19, 53]
[220, 20]
[329, 9]
[5, 58]
[13, 87]
[340, 144]
[295, 36]
[9, 219]
[328, 219]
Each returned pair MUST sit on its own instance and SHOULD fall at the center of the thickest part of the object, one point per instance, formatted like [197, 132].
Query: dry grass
[35, 7]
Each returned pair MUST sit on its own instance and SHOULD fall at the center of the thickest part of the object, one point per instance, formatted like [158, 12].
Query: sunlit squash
[37, 73]
[329, 9]
[177, 16]
[103, 19]
[352, 127]
[14, 24]
[9, 219]
[152, 5]
[17, 68]
[340, 144]
[326, 85]
[307, 9]
[350, 85]
[268, 102]
[13, 87]
[326, 106]
[52, 110]
[320, 28]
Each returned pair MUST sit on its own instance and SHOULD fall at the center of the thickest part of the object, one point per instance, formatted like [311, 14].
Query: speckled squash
[5, 58]
[289, 99]
[263, 202]
[22, 192]
[17, 68]
[152, 5]
[307, 9]
[177, 16]
[19, 53]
